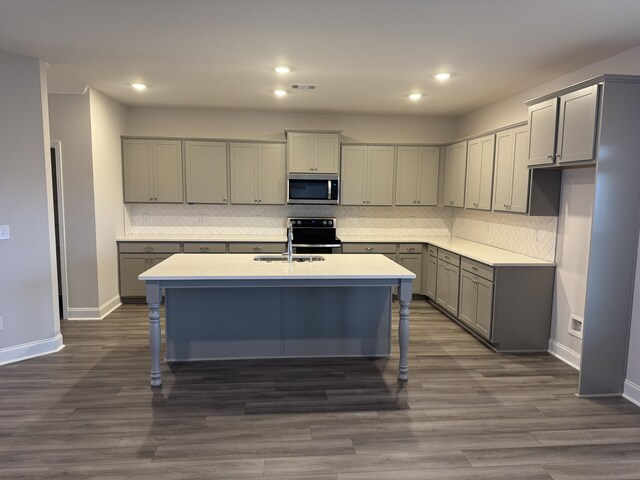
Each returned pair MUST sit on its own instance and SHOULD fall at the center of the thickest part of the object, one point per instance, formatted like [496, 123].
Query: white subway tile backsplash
[533, 236]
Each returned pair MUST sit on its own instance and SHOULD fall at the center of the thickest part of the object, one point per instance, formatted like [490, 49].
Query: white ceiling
[364, 55]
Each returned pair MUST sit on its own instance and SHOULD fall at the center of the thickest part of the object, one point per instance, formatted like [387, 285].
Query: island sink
[283, 258]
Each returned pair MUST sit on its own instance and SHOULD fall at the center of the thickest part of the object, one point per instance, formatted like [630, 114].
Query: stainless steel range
[314, 235]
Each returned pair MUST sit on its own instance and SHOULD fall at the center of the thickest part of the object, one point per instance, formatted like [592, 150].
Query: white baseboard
[565, 354]
[30, 350]
[94, 313]
[632, 392]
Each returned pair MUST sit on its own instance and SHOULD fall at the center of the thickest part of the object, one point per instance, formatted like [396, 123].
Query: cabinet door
[454, 174]
[167, 165]
[432, 273]
[577, 125]
[413, 262]
[480, 156]
[442, 284]
[326, 153]
[271, 174]
[484, 309]
[503, 171]
[354, 163]
[428, 168]
[138, 177]
[132, 265]
[468, 298]
[520, 177]
[243, 159]
[206, 170]
[542, 129]
[453, 288]
[300, 152]
[407, 176]
[380, 178]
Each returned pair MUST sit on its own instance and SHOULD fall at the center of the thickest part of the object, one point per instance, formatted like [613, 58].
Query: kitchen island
[222, 306]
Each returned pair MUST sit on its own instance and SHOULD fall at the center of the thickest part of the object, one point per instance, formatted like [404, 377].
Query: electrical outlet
[575, 325]
[4, 232]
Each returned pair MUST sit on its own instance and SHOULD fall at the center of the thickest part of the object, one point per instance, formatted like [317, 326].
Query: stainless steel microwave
[313, 188]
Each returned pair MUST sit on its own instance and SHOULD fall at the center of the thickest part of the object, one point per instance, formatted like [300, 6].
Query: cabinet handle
[410, 249]
[204, 249]
[368, 249]
[148, 249]
[549, 156]
[474, 268]
[447, 257]
[224, 199]
[558, 155]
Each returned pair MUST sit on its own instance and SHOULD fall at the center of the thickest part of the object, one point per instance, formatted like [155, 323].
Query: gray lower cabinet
[410, 257]
[447, 281]
[476, 302]
[257, 247]
[430, 271]
[137, 257]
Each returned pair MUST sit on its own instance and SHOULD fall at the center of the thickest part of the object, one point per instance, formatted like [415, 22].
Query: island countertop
[244, 267]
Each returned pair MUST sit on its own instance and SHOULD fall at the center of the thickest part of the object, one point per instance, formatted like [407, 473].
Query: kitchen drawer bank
[508, 306]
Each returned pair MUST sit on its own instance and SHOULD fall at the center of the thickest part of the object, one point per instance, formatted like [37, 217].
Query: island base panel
[227, 323]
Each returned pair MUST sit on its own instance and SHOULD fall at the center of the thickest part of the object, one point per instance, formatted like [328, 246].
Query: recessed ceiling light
[139, 86]
[442, 76]
[282, 69]
[280, 93]
[415, 96]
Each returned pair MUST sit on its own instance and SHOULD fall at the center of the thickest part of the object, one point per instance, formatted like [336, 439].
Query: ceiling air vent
[302, 86]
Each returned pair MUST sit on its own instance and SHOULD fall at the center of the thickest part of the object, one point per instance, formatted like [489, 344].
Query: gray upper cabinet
[152, 171]
[480, 154]
[417, 176]
[367, 175]
[563, 130]
[511, 184]
[257, 173]
[309, 152]
[206, 172]
[455, 167]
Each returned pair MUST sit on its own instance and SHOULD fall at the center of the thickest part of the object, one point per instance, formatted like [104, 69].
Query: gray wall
[108, 122]
[207, 123]
[28, 289]
[70, 124]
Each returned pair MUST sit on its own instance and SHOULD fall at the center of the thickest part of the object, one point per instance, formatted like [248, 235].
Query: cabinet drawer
[369, 248]
[410, 248]
[480, 269]
[449, 257]
[433, 250]
[149, 247]
[205, 247]
[257, 247]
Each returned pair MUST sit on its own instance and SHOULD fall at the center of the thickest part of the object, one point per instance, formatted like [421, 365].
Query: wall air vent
[302, 86]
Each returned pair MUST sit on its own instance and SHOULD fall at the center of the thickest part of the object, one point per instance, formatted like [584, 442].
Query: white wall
[70, 124]
[208, 123]
[108, 121]
[28, 286]
[572, 258]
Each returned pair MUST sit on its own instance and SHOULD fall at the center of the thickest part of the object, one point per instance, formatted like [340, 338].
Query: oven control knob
[330, 222]
[299, 222]
[324, 222]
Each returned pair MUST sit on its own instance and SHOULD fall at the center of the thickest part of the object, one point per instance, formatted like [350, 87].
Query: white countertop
[222, 266]
[479, 252]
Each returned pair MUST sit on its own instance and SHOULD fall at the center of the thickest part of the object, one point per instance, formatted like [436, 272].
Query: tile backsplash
[532, 236]
[270, 219]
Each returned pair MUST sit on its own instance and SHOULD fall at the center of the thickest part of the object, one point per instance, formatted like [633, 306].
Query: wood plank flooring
[88, 412]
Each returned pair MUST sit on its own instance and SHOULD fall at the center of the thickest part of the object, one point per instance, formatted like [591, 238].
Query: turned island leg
[154, 297]
[404, 296]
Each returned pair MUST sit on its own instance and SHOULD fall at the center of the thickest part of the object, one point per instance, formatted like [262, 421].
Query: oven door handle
[317, 245]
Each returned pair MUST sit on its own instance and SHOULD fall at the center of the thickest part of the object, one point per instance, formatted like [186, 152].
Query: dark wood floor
[466, 413]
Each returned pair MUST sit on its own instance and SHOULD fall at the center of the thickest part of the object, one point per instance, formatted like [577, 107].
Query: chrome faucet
[289, 252]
